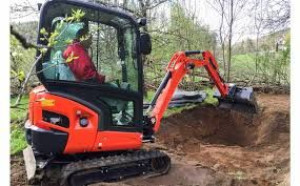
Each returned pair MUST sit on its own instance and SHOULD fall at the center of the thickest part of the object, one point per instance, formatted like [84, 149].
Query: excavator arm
[180, 64]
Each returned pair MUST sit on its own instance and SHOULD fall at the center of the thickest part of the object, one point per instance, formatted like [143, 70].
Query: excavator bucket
[238, 98]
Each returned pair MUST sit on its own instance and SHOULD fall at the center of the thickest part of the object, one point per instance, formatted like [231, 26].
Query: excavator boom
[178, 67]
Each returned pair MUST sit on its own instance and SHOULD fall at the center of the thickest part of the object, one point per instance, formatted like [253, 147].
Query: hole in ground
[220, 126]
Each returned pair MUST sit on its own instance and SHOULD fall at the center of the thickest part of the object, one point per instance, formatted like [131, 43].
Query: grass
[243, 65]
[177, 110]
[210, 100]
[150, 95]
[19, 113]
[17, 139]
[17, 133]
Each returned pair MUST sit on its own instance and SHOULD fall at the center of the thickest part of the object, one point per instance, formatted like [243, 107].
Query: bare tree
[229, 11]
[145, 6]
[221, 34]
[278, 14]
[19, 11]
[259, 26]
[219, 7]
[236, 6]
[24, 42]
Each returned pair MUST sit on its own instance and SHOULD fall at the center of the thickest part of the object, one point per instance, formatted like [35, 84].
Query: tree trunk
[125, 4]
[230, 41]
[224, 60]
[144, 4]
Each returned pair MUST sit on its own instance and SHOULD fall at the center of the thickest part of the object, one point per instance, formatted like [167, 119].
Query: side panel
[113, 140]
[80, 139]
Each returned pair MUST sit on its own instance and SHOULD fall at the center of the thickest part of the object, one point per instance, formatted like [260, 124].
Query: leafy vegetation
[17, 139]
[210, 100]
[181, 33]
[17, 117]
[21, 60]
[177, 110]
[270, 64]
[19, 113]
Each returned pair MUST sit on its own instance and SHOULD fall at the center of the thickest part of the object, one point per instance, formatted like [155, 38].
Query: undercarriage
[79, 170]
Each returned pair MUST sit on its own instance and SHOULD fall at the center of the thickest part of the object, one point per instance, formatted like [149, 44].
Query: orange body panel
[115, 140]
[80, 139]
[32, 96]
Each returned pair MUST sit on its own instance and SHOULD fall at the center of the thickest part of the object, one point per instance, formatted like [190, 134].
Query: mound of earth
[214, 146]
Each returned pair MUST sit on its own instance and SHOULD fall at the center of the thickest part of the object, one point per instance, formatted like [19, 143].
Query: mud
[213, 146]
[17, 171]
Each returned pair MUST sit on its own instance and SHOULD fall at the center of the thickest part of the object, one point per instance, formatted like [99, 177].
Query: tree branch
[21, 38]
[157, 4]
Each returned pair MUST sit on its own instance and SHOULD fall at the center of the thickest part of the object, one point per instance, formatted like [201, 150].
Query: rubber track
[126, 160]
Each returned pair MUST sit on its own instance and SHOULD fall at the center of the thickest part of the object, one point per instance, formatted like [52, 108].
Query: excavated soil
[214, 146]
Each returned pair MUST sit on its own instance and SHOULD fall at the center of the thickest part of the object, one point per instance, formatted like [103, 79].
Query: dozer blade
[30, 162]
[239, 98]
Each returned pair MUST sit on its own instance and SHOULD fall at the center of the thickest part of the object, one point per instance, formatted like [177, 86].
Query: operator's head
[84, 36]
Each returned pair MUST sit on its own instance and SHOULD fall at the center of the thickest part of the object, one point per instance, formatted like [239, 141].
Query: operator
[81, 65]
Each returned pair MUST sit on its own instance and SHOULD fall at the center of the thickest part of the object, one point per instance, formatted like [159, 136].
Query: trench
[213, 125]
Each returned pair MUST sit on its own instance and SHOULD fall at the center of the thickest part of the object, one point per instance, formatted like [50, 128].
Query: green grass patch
[17, 133]
[210, 100]
[19, 113]
[244, 57]
[17, 139]
[243, 65]
[244, 61]
[178, 110]
[149, 96]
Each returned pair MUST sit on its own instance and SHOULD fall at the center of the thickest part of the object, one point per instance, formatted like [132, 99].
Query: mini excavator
[88, 132]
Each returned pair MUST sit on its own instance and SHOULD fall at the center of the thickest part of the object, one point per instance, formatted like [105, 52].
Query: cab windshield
[89, 46]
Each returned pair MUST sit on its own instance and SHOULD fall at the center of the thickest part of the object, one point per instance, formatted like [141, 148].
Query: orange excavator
[88, 132]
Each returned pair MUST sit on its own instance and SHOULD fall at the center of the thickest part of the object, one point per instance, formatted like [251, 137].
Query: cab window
[92, 48]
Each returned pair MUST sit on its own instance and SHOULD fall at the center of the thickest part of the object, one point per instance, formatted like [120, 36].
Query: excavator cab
[116, 49]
